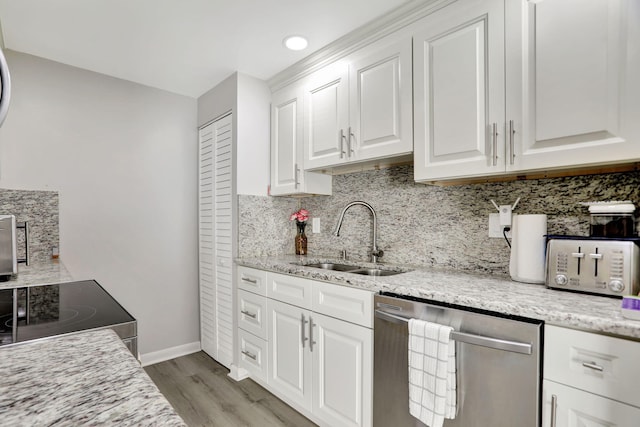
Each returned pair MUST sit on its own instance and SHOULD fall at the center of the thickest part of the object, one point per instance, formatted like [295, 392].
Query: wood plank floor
[201, 392]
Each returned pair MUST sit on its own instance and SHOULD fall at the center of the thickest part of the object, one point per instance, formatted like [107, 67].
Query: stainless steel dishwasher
[498, 361]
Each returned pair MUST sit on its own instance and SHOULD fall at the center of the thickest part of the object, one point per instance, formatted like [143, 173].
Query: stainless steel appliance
[5, 88]
[8, 256]
[498, 364]
[593, 265]
[31, 313]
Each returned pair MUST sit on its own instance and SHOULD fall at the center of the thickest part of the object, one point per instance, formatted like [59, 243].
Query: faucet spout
[375, 252]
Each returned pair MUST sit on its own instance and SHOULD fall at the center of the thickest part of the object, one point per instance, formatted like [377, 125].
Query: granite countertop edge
[36, 274]
[88, 378]
[494, 293]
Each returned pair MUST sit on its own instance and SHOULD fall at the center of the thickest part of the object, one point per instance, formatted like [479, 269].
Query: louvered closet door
[216, 250]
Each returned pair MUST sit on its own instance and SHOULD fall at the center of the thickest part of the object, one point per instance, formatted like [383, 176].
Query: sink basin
[375, 272]
[355, 269]
[335, 267]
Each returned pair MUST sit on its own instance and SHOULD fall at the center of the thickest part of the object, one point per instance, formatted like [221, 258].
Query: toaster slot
[578, 256]
[595, 257]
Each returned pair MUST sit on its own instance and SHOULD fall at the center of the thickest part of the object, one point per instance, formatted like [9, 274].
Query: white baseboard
[169, 353]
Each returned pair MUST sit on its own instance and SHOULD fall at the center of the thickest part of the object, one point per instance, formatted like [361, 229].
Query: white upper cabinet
[380, 102]
[459, 91]
[359, 109]
[326, 116]
[287, 174]
[572, 82]
[505, 87]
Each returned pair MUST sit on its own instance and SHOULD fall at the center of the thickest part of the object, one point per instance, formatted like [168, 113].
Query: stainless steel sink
[355, 269]
[331, 266]
[376, 272]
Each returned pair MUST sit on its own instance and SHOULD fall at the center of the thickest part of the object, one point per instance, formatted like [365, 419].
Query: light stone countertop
[88, 378]
[36, 274]
[487, 292]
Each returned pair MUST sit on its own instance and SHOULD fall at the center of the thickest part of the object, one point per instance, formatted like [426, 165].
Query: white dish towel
[432, 372]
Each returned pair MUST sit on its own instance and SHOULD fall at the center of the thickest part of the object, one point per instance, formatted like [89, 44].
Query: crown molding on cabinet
[387, 24]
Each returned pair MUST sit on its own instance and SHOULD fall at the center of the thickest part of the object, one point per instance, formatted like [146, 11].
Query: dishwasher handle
[495, 343]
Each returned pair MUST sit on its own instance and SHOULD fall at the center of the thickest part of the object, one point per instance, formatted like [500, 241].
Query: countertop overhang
[499, 294]
[88, 378]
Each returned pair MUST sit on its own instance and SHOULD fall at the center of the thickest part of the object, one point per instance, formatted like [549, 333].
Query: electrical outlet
[315, 225]
[495, 229]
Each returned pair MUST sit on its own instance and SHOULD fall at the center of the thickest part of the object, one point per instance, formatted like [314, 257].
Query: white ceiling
[182, 46]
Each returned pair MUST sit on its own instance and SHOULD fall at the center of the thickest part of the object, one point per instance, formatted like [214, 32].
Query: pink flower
[301, 215]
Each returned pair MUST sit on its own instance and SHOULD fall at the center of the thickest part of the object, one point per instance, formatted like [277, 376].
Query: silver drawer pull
[246, 279]
[593, 365]
[554, 410]
[249, 355]
[248, 313]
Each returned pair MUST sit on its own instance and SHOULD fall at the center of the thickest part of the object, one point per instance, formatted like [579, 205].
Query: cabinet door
[342, 381]
[326, 117]
[290, 360]
[573, 93]
[458, 61]
[287, 158]
[577, 408]
[381, 102]
[286, 141]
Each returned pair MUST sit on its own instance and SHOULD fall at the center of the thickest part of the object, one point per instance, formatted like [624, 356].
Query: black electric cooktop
[43, 311]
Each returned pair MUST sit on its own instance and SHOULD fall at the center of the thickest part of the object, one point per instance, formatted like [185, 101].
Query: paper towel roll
[528, 246]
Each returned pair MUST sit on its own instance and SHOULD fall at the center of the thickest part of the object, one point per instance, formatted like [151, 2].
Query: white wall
[124, 158]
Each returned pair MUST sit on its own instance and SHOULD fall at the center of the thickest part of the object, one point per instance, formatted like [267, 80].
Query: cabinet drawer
[344, 303]
[290, 289]
[252, 280]
[253, 355]
[252, 313]
[595, 363]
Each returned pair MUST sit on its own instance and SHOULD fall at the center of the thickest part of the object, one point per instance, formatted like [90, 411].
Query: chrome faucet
[375, 252]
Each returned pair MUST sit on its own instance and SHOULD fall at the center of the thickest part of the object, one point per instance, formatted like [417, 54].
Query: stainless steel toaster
[592, 265]
[8, 256]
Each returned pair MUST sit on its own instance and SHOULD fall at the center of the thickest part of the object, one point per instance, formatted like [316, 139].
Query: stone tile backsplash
[40, 210]
[421, 224]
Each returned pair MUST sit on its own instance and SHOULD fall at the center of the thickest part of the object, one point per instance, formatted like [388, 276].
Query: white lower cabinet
[342, 380]
[589, 380]
[254, 355]
[317, 361]
[290, 363]
[578, 408]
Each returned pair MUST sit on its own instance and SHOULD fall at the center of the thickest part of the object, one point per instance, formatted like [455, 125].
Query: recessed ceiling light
[295, 42]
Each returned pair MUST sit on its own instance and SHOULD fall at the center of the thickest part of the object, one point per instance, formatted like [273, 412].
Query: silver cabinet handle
[349, 147]
[593, 365]
[297, 176]
[246, 279]
[511, 144]
[249, 355]
[311, 341]
[248, 313]
[494, 143]
[554, 407]
[342, 138]
[303, 322]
